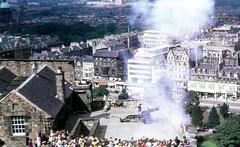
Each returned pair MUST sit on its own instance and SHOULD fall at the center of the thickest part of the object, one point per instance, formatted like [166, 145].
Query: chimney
[34, 68]
[60, 84]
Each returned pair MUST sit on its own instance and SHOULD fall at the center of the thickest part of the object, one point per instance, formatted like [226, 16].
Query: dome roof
[4, 5]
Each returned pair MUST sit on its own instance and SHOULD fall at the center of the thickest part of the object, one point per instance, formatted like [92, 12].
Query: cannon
[144, 116]
[129, 118]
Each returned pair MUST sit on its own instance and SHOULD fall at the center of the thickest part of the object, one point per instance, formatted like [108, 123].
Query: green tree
[100, 92]
[71, 32]
[193, 98]
[228, 133]
[123, 95]
[213, 118]
[197, 116]
[192, 101]
[224, 109]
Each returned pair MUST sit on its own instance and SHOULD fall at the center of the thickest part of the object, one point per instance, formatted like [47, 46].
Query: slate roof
[178, 52]
[6, 77]
[41, 90]
[208, 66]
[235, 30]
[106, 54]
[65, 50]
[87, 59]
[231, 70]
[13, 85]
[112, 54]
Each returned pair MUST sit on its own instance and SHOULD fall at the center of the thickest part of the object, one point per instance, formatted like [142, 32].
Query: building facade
[24, 67]
[111, 64]
[217, 79]
[32, 105]
[152, 38]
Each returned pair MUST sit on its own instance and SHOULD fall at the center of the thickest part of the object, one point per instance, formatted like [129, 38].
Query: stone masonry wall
[25, 67]
[35, 120]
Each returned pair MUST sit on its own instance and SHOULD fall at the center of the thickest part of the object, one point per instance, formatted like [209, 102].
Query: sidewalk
[235, 105]
[220, 100]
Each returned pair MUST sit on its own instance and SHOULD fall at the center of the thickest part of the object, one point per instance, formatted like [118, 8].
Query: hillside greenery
[233, 3]
[72, 32]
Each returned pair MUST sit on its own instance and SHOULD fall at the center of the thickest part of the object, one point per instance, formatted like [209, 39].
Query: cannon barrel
[147, 112]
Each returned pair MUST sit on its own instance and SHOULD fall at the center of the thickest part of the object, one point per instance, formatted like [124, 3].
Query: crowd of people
[63, 139]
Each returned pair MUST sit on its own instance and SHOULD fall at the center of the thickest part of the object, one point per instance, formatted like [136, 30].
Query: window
[14, 106]
[18, 126]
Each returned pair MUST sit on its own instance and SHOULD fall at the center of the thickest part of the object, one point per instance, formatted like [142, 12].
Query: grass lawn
[208, 143]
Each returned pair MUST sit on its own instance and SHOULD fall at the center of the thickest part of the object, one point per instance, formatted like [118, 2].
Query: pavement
[110, 125]
[234, 106]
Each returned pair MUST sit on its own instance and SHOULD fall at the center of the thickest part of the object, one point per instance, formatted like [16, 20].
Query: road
[233, 106]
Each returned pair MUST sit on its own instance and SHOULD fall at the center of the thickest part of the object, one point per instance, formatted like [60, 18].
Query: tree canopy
[197, 116]
[193, 98]
[72, 32]
[192, 101]
[213, 118]
[224, 109]
[228, 133]
[100, 92]
[123, 95]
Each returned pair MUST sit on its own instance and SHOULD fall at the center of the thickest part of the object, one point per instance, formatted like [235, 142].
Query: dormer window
[220, 74]
[229, 74]
[205, 71]
[200, 70]
[236, 75]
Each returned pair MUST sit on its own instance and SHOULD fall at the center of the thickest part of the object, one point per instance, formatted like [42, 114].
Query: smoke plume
[178, 17]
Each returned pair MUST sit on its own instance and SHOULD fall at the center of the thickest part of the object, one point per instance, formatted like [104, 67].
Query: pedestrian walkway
[234, 106]
[221, 100]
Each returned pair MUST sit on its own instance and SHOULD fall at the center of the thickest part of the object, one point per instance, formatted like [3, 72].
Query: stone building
[25, 67]
[33, 104]
[124, 40]
[111, 64]
[217, 79]
[6, 77]
[177, 70]
[84, 68]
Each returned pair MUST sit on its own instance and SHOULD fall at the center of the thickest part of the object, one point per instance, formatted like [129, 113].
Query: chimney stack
[60, 84]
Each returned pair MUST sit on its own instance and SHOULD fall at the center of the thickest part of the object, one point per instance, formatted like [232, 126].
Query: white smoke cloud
[178, 17]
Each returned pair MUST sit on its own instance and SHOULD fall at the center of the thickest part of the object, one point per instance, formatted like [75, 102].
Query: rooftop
[4, 5]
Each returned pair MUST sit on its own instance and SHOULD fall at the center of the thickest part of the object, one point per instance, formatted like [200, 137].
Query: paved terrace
[110, 125]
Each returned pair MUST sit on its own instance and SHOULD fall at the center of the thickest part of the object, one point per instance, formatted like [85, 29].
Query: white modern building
[153, 38]
[145, 69]
[152, 65]
[146, 64]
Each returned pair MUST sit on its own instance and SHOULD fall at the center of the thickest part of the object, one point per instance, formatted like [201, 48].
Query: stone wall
[85, 127]
[25, 67]
[35, 120]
